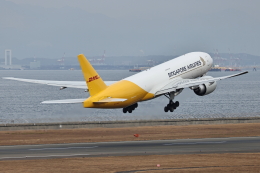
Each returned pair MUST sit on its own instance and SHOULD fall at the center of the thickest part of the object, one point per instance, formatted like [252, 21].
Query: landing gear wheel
[165, 109]
[130, 108]
[171, 105]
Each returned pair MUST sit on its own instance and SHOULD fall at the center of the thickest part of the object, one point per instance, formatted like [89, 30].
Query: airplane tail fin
[93, 80]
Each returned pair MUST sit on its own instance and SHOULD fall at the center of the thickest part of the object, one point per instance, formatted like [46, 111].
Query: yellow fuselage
[132, 92]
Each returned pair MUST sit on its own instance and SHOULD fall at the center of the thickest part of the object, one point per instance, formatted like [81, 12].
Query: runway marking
[194, 143]
[37, 149]
[24, 157]
[220, 142]
[95, 143]
[181, 144]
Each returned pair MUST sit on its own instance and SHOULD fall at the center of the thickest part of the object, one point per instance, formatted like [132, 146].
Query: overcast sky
[128, 27]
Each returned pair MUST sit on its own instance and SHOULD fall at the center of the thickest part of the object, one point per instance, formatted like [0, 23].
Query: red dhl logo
[93, 78]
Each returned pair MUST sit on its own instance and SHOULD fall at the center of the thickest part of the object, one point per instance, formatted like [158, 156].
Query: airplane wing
[62, 84]
[186, 83]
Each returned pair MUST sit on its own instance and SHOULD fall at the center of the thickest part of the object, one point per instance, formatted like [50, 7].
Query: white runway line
[37, 149]
[194, 143]
[220, 142]
[181, 144]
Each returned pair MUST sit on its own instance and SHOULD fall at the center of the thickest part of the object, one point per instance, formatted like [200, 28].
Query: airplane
[168, 79]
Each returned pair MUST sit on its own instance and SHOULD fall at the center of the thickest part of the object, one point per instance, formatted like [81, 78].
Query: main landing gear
[130, 108]
[171, 105]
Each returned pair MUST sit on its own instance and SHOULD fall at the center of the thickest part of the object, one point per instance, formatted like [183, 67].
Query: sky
[51, 28]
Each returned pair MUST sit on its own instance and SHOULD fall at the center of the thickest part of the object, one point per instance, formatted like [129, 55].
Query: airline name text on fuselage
[185, 68]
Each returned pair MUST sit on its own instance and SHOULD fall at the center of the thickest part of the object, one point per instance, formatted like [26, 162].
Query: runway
[158, 147]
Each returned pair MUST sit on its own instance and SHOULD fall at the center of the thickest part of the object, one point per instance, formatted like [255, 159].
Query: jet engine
[205, 89]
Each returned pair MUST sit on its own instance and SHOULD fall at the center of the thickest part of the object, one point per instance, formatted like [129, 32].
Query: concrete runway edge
[115, 124]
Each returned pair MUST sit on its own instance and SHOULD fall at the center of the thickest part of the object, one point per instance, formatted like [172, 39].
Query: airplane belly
[123, 89]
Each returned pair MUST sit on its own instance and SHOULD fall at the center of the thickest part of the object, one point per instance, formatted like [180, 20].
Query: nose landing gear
[130, 108]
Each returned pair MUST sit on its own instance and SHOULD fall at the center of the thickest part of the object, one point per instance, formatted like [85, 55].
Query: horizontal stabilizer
[64, 101]
[107, 100]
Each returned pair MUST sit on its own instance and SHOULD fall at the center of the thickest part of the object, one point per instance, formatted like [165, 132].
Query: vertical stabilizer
[93, 80]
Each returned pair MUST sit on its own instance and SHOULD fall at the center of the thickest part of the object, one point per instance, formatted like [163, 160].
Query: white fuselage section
[188, 66]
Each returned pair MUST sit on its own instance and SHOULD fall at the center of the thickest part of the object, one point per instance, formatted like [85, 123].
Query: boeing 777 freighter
[168, 79]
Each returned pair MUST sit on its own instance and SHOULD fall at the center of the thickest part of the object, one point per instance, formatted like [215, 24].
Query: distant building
[8, 62]
[35, 65]
[8, 55]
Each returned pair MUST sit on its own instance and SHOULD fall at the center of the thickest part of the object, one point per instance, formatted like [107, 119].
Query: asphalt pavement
[127, 148]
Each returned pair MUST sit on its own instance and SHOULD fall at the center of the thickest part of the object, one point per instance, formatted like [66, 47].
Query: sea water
[20, 101]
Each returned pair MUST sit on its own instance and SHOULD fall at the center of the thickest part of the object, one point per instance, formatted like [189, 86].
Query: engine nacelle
[205, 89]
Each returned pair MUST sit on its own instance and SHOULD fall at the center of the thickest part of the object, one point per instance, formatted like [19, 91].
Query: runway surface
[159, 147]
